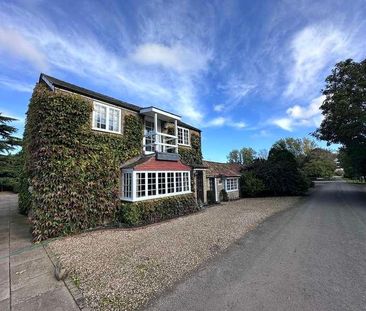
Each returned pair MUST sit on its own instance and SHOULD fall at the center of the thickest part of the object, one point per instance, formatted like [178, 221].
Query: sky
[245, 72]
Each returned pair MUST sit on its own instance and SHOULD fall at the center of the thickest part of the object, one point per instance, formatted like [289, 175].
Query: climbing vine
[71, 173]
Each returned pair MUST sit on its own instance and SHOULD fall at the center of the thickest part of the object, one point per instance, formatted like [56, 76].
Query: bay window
[139, 185]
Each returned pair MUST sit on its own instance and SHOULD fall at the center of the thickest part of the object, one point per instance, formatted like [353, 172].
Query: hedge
[152, 211]
[71, 173]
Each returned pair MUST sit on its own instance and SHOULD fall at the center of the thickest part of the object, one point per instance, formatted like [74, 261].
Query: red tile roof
[222, 169]
[149, 163]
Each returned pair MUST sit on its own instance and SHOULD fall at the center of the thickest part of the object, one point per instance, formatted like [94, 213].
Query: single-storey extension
[222, 176]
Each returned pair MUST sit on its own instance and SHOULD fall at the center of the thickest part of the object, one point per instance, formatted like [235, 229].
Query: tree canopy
[8, 142]
[344, 110]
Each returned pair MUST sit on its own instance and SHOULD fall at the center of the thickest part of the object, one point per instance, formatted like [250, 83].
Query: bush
[152, 211]
[250, 185]
[224, 196]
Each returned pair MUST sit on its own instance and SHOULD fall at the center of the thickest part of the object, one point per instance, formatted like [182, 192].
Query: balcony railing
[160, 142]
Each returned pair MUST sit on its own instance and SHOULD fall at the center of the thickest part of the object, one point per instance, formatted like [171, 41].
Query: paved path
[26, 273]
[312, 257]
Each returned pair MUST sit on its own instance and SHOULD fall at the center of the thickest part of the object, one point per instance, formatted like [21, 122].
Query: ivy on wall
[192, 156]
[72, 173]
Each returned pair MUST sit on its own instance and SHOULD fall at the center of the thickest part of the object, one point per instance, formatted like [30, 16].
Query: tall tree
[234, 156]
[247, 155]
[344, 110]
[7, 141]
[297, 146]
[344, 107]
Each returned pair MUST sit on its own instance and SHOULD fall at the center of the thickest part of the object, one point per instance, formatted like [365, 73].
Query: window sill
[232, 190]
[106, 131]
[161, 196]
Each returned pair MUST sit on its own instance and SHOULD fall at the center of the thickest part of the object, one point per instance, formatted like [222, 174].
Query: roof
[150, 163]
[215, 169]
[82, 91]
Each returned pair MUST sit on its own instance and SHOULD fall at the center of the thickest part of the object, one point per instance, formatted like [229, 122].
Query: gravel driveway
[119, 269]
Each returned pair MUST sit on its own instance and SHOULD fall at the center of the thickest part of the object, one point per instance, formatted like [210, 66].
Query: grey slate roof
[82, 91]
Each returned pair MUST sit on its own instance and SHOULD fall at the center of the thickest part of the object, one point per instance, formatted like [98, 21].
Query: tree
[344, 110]
[234, 156]
[262, 154]
[7, 141]
[320, 163]
[344, 107]
[297, 146]
[10, 168]
[247, 155]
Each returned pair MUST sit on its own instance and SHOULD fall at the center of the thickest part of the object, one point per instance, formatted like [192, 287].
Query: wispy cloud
[15, 85]
[301, 116]
[224, 121]
[313, 49]
[175, 86]
[218, 107]
[15, 44]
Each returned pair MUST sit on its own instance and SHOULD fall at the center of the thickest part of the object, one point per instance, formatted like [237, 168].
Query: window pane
[114, 121]
[170, 182]
[149, 127]
[141, 185]
[180, 136]
[127, 185]
[178, 181]
[185, 181]
[151, 184]
[186, 141]
[161, 183]
[100, 116]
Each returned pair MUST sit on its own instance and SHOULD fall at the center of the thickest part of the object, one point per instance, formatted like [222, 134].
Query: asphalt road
[312, 257]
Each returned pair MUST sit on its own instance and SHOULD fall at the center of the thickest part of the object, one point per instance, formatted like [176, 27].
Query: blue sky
[246, 72]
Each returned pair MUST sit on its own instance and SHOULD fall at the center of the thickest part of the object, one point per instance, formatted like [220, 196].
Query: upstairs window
[106, 118]
[183, 136]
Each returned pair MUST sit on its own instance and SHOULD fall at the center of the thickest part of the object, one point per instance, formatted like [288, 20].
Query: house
[159, 170]
[222, 176]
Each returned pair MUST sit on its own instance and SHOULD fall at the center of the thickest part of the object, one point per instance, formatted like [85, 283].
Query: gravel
[121, 269]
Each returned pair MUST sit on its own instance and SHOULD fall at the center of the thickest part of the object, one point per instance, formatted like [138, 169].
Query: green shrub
[152, 211]
[250, 185]
[224, 196]
[72, 171]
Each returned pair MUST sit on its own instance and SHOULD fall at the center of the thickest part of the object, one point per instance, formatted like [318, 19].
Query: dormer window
[106, 118]
[183, 136]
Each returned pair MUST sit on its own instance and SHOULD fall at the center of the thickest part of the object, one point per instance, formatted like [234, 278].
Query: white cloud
[178, 58]
[219, 107]
[224, 121]
[175, 86]
[313, 50]
[239, 124]
[301, 116]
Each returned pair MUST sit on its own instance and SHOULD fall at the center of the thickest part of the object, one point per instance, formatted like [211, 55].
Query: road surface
[312, 257]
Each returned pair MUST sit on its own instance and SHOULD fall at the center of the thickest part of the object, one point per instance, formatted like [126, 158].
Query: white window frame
[230, 183]
[134, 197]
[108, 107]
[183, 129]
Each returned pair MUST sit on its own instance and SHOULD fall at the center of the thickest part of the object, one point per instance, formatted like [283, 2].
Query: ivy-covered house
[87, 153]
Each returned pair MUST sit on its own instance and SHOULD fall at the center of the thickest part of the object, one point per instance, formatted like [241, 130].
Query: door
[199, 186]
[211, 193]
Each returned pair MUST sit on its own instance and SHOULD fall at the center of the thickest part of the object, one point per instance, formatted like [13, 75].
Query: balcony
[160, 142]
[156, 137]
